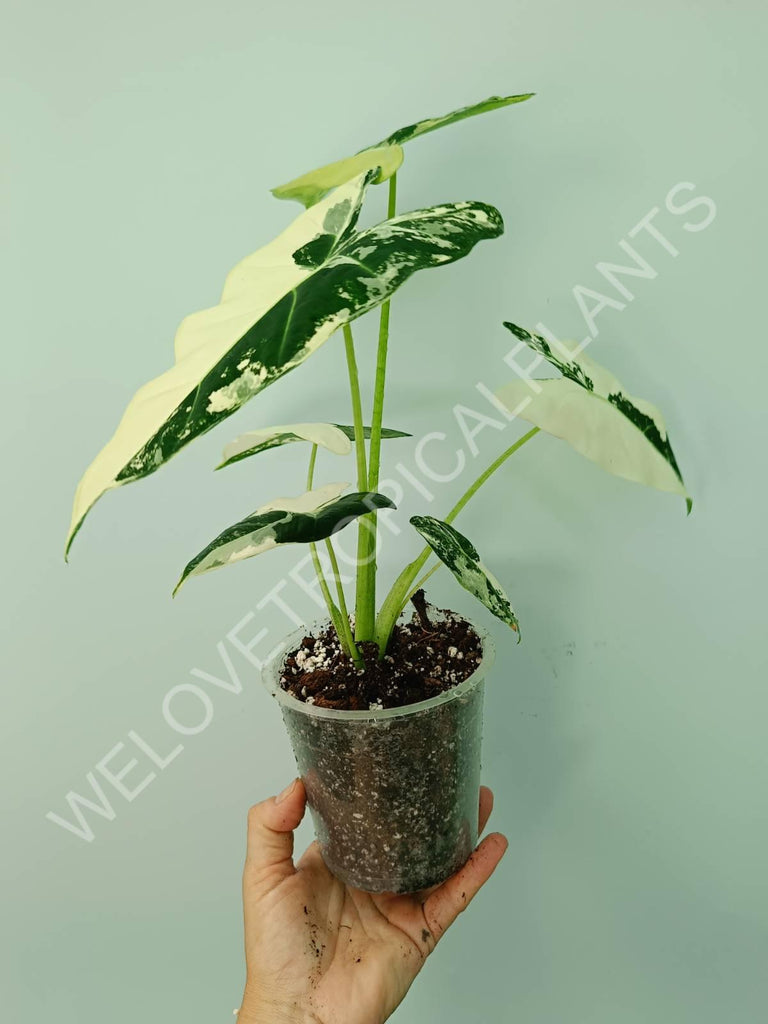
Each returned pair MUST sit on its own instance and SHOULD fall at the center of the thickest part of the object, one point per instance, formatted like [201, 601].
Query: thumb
[269, 857]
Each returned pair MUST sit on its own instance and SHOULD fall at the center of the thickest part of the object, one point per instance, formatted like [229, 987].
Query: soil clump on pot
[424, 658]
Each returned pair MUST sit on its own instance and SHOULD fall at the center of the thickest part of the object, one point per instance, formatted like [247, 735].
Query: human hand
[320, 952]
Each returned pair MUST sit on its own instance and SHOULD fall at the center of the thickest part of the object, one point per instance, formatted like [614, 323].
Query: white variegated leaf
[326, 435]
[279, 306]
[336, 437]
[309, 501]
[459, 555]
[431, 124]
[385, 155]
[588, 408]
[192, 396]
[310, 188]
[311, 517]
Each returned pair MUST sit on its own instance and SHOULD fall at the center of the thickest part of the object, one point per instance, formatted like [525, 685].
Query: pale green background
[625, 737]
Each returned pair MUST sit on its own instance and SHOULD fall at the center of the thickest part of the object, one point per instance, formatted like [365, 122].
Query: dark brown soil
[424, 658]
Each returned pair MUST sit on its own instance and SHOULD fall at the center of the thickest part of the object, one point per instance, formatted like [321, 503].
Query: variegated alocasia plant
[278, 306]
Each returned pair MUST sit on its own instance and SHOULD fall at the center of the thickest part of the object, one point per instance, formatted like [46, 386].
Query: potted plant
[384, 712]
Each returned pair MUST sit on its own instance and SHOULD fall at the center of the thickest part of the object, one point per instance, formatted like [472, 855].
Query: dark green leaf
[312, 517]
[461, 557]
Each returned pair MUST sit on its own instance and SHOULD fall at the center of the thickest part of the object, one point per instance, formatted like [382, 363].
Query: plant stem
[381, 367]
[473, 488]
[395, 600]
[420, 583]
[354, 653]
[340, 615]
[357, 409]
[311, 467]
[365, 620]
[362, 599]
[403, 586]
[333, 611]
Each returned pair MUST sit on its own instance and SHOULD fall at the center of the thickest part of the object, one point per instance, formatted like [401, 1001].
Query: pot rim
[271, 672]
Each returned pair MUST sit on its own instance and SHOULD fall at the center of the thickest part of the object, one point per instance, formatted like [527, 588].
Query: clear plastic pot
[393, 793]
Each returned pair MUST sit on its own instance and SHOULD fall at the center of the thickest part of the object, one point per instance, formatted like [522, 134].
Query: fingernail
[285, 793]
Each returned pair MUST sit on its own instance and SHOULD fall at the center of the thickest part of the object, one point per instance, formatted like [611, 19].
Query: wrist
[259, 1009]
[268, 1013]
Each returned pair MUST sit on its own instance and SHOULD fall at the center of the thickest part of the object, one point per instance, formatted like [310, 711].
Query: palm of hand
[320, 951]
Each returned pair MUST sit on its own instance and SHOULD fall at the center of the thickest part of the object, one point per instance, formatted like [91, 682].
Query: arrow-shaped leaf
[431, 124]
[335, 437]
[310, 188]
[588, 408]
[326, 435]
[279, 306]
[386, 155]
[461, 557]
[313, 516]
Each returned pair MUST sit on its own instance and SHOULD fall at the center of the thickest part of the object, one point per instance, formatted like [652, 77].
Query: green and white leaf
[385, 155]
[326, 435]
[431, 124]
[278, 307]
[589, 408]
[335, 437]
[313, 516]
[310, 188]
[171, 410]
[461, 557]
